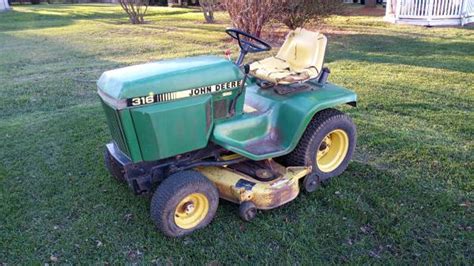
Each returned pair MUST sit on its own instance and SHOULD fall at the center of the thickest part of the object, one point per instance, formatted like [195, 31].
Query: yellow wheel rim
[191, 210]
[332, 150]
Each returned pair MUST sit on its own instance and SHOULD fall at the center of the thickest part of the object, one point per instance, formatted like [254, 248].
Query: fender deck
[276, 122]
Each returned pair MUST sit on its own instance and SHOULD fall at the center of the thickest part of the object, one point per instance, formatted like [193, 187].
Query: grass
[406, 197]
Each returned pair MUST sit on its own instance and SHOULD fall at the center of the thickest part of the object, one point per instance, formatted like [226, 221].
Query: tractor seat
[299, 59]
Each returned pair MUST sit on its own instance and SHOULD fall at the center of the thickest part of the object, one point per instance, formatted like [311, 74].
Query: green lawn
[406, 197]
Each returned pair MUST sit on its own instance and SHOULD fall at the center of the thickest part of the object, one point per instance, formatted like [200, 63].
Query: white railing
[4, 5]
[457, 11]
[467, 13]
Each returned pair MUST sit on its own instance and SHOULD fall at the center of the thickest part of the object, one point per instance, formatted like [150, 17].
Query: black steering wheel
[248, 43]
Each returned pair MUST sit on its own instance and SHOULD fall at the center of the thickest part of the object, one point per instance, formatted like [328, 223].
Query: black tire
[247, 211]
[321, 125]
[172, 191]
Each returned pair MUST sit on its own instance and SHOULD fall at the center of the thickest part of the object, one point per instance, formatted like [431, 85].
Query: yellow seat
[300, 58]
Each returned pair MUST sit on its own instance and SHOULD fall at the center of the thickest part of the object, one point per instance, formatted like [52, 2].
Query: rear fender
[297, 112]
[277, 122]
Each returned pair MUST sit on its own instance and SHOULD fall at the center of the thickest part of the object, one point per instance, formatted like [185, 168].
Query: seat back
[303, 49]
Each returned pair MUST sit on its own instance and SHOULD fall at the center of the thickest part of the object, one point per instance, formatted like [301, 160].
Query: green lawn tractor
[196, 129]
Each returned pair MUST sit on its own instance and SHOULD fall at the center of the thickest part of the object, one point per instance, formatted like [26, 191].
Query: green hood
[168, 76]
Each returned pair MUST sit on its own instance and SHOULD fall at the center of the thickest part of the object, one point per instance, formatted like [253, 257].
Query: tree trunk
[208, 13]
[209, 16]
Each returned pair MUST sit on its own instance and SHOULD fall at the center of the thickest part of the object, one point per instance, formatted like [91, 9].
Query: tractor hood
[167, 76]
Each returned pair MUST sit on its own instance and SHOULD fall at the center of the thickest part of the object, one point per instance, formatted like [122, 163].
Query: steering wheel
[248, 43]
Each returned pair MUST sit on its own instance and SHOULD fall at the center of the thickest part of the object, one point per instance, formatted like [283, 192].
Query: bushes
[252, 15]
[296, 13]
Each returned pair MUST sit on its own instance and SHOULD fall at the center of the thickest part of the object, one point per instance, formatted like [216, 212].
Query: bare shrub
[135, 9]
[296, 13]
[251, 15]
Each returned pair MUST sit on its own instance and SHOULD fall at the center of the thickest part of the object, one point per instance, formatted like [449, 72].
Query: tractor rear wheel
[184, 202]
[327, 144]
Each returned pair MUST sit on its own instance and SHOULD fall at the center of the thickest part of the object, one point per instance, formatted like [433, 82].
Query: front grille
[208, 116]
[220, 108]
[113, 120]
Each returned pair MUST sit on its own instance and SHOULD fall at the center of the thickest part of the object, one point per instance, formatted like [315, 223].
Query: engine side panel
[168, 129]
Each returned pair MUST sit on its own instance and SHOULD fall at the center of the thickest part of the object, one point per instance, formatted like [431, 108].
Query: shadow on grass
[57, 15]
[48, 78]
[402, 51]
[49, 17]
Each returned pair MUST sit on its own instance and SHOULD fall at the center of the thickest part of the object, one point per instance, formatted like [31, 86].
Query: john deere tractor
[197, 129]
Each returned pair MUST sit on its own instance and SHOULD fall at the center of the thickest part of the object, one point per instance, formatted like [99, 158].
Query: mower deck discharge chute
[204, 127]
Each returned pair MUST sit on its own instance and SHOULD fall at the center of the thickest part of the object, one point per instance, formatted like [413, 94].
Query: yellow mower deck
[237, 187]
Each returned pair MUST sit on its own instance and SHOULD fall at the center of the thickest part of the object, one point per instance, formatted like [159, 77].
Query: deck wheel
[247, 211]
[311, 183]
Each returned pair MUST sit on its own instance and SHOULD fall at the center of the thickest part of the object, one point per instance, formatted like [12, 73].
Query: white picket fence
[430, 12]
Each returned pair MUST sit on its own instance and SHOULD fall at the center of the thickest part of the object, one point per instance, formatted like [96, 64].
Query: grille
[208, 116]
[113, 120]
[220, 109]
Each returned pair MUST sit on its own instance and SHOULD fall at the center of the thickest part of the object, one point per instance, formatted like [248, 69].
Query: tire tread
[167, 190]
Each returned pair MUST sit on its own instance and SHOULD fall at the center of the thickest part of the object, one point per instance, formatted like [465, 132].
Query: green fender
[275, 123]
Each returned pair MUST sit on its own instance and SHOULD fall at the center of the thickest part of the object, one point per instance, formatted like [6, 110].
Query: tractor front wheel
[184, 202]
[327, 145]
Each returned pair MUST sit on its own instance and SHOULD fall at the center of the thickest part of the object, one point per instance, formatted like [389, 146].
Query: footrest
[263, 147]
[287, 89]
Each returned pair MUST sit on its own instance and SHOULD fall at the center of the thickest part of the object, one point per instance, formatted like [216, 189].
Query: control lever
[323, 78]
[241, 89]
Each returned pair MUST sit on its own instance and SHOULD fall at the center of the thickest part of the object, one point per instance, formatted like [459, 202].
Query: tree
[135, 10]
[251, 15]
[296, 13]
[207, 7]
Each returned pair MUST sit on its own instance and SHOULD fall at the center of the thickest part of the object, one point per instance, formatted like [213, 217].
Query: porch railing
[431, 9]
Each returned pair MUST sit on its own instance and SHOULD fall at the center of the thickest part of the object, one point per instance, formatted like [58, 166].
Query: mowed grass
[406, 197]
